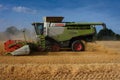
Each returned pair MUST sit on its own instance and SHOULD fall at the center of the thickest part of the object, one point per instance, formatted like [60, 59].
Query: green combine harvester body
[53, 34]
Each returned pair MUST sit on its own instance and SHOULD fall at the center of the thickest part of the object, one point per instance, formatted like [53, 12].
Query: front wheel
[77, 46]
[52, 46]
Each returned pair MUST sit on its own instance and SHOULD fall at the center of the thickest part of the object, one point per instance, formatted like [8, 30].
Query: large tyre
[77, 46]
[52, 46]
[55, 47]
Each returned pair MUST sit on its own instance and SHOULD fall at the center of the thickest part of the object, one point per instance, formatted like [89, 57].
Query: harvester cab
[39, 28]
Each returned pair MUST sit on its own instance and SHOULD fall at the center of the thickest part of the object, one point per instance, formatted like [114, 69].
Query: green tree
[118, 36]
[106, 34]
[12, 30]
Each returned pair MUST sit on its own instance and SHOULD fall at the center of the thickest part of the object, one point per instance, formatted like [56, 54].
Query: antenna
[24, 35]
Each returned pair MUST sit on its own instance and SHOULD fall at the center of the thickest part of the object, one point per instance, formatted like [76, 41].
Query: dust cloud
[28, 35]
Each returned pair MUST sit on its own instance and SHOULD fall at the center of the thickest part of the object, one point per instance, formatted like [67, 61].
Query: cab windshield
[39, 28]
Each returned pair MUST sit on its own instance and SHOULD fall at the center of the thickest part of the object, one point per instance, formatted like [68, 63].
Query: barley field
[60, 72]
[100, 61]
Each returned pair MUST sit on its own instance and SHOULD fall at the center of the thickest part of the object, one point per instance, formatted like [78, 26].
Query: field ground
[101, 60]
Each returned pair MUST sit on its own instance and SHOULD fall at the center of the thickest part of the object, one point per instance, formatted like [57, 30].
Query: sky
[22, 13]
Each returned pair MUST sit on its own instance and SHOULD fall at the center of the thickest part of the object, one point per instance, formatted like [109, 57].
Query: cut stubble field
[101, 60]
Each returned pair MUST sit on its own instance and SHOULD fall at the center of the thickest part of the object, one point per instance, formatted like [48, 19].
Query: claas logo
[60, 24]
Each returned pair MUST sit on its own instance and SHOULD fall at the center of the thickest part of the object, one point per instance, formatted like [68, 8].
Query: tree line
[107, 34]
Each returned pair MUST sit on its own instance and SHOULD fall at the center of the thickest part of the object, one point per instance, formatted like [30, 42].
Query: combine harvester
[53, 34]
